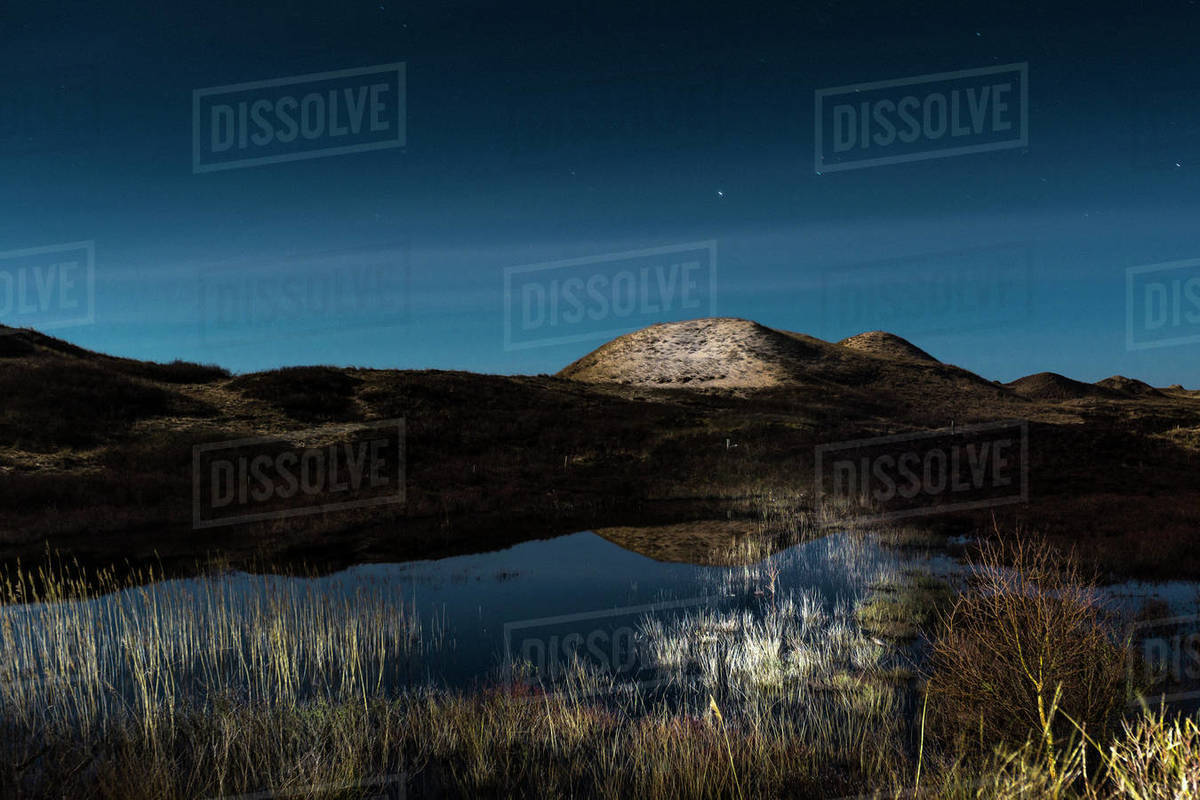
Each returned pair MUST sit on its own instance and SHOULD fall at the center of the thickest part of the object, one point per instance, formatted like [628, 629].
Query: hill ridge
[1055, 386]
[719, 353]
[886, 345]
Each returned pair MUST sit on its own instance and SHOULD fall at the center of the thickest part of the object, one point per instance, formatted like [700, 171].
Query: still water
[447, 622]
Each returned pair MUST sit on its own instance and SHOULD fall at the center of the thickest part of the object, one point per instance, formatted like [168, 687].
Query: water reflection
[379, 627]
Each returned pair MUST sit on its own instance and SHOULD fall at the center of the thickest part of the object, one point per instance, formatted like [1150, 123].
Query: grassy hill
[672, 423]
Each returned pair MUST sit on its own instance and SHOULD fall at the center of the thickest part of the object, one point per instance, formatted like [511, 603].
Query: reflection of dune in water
[713, 543]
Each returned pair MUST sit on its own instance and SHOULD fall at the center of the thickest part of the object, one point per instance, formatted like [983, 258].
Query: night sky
[539, 132]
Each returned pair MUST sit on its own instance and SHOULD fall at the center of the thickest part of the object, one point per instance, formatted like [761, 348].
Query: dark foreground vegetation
[1022, 697]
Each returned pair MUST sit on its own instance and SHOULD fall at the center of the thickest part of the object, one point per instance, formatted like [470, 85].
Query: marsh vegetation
[1006, 680]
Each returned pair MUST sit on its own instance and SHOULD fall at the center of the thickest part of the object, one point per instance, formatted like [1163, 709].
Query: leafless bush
[1027, 650]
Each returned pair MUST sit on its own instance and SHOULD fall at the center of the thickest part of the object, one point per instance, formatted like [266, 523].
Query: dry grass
[202, 688]
[499, 744]
[149, 651]
[1153, 756]
[202, 691]
[905, 608]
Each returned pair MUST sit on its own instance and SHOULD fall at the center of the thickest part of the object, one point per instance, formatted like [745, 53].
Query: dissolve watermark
[926, 116]
[375, 787]
[1163, 662]
[299, 117]
[1162, 304]
[945, 292]
[48, 287]
[594, 651]
[930, 472]
[315, 471]
[604, 296]
[277, 296]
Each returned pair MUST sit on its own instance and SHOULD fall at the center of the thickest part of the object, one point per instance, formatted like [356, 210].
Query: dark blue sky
[538, 132]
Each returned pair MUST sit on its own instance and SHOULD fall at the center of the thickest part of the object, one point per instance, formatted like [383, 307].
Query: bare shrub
[1027, 650]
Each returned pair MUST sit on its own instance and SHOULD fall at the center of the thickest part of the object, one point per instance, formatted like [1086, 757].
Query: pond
[544, 611]
[445, 622]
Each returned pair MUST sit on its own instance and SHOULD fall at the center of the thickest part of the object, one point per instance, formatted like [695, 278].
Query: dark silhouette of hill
[60, 395]
[677, 422]
[1130, 386]
[28, 344]
[1054, 387]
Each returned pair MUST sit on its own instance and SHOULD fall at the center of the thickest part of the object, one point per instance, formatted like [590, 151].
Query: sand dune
[702, 353]
[1130, 386]
[886, 345]
[721, 353]
[1052, 386]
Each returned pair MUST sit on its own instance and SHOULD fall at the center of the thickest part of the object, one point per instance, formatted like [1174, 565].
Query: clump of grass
[787, 515]
[1156, 757]
[1153, 756]
[904, 608]
[784, 514]
[910, 537]
[148, 648]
